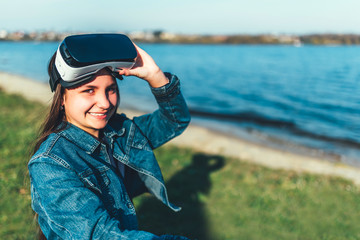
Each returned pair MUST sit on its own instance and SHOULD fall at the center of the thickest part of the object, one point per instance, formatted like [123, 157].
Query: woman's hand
[146, 68]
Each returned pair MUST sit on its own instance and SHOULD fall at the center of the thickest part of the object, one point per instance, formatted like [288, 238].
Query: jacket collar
[85, 140]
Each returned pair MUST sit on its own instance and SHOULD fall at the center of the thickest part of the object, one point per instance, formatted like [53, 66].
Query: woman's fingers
[146, 68]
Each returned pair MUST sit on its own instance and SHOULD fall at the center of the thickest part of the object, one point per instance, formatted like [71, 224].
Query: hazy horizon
[185, 17]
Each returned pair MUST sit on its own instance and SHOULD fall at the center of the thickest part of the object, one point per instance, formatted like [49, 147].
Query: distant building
[3, 34]
[167, 36]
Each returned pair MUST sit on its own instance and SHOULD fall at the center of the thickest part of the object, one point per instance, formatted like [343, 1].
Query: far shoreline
[209, 141]
[159, 36]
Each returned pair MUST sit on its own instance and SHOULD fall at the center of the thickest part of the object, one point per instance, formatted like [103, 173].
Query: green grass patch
[222, 198]
[19, 121]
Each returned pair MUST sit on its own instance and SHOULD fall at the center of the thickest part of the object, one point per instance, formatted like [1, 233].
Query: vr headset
[80, 57]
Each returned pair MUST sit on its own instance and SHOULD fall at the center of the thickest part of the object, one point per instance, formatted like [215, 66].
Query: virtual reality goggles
[80, 57]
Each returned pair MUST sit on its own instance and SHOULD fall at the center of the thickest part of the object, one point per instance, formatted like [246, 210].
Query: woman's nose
[103, 101]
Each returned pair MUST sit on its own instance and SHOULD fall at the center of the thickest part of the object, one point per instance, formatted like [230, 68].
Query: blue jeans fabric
[77, 192]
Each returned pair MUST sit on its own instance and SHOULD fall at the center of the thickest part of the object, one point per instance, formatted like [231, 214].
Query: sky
[183, 16]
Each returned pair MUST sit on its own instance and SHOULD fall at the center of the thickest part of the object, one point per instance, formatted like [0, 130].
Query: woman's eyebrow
[90, 86]
[95, 86]
[113, 85]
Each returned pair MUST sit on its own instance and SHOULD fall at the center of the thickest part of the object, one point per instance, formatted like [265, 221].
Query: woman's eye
[88, 91]
[112, 90]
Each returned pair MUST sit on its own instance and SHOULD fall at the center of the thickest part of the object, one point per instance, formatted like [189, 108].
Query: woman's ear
[62, 102]
[63, 99]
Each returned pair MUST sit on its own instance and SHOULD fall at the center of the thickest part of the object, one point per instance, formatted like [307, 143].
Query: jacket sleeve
[171, 118]
[69, 210]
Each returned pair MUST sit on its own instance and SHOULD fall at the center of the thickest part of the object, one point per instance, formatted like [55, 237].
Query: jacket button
[129, 205]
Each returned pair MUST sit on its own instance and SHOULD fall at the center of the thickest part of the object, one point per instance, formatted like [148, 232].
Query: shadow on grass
[187, 188]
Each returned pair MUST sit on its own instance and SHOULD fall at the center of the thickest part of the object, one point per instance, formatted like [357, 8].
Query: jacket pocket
[139, 141]
[96, 180]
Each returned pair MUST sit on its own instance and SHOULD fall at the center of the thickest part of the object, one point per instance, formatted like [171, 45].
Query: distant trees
[159, 36]
[331, 39]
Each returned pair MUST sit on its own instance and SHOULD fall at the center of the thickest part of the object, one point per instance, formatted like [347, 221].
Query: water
[302, 98]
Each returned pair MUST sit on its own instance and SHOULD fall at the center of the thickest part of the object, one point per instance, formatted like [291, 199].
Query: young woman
[89, 162]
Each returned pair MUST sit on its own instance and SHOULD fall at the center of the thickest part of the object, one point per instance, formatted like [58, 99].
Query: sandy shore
[207, 141]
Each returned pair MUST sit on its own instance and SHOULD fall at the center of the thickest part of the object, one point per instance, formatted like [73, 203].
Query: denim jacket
[77, 192]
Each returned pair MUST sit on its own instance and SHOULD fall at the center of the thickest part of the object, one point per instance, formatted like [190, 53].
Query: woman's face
[91, 105]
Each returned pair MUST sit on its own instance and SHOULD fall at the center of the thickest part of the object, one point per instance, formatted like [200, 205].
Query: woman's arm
[173, 116]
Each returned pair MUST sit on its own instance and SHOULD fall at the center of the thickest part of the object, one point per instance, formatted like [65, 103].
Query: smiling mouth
[98, 114]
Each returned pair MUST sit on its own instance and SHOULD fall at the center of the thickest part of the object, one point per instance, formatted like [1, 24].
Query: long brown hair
[51, 124]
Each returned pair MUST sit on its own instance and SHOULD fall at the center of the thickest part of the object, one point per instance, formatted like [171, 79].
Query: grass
[222, 198]
[229, 199]
[19, 120]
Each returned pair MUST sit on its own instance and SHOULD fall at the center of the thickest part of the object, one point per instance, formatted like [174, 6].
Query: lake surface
[304, 99]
